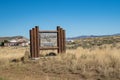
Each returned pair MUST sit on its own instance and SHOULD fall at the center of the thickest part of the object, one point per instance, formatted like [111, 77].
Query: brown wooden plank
[48, 31]
[49, 48]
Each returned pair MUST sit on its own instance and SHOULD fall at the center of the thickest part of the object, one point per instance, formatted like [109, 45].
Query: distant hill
[91, 36]
[13, 37]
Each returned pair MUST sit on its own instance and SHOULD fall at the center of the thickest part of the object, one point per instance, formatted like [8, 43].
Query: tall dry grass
[91, 64]
[7, 54]
[99, 63]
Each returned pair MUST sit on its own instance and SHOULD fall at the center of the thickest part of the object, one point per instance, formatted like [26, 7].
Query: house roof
[13, 40]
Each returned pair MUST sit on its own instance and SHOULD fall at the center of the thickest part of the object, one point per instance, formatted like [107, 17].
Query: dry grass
[9, 53]
[12, 52]
[78, 64]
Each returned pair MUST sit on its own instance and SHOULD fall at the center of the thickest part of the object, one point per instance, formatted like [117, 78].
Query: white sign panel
[48, 39]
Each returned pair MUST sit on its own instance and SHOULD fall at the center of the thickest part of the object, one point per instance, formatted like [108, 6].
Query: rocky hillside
[91, 42]
[91, 36]
[13, 37]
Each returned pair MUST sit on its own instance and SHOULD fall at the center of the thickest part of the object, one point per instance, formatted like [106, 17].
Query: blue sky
[77, 17]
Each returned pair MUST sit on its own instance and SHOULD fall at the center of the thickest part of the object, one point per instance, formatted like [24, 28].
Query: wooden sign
[46, 40]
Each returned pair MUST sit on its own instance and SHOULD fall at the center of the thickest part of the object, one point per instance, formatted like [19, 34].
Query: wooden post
[30, 31]
[64, 42]
[58, 39]
[34, 40]
[31, 43]
[37, 41]
[61, 39]
[39, 38]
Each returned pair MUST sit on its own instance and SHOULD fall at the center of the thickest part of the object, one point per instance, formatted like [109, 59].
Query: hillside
[91, 36]
[13, 37]
[90, 42]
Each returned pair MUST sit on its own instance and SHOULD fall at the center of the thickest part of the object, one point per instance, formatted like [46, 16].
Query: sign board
[48, 39]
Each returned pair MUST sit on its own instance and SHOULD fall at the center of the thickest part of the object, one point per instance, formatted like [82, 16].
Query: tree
[6, 41]
[2, 44]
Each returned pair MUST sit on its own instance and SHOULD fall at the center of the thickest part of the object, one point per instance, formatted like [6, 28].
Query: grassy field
[85, 59]
[98, 63]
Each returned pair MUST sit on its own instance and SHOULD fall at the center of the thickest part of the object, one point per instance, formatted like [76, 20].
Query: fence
[36, 37]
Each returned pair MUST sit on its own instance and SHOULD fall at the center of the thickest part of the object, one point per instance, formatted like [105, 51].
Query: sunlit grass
[98, 63]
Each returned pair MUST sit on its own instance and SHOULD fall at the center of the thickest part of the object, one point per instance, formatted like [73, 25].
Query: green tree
[2, 44]
[6, 41]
